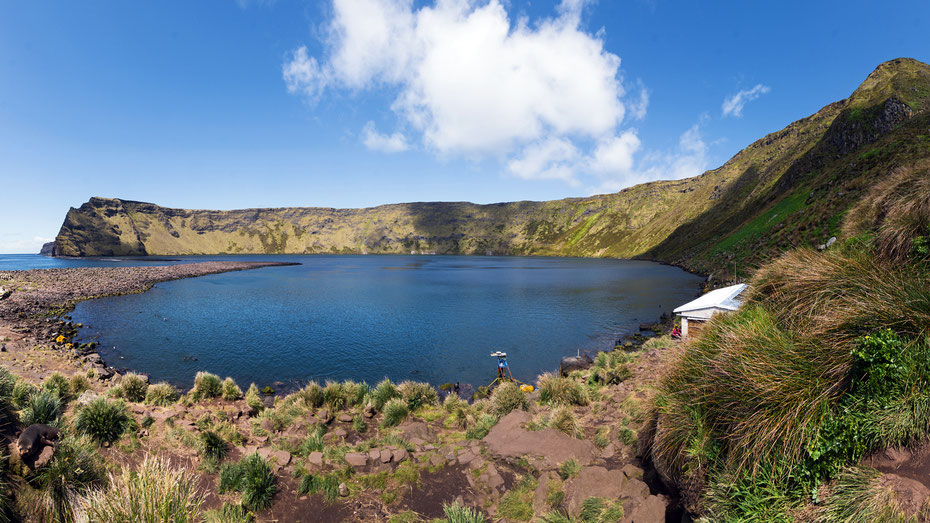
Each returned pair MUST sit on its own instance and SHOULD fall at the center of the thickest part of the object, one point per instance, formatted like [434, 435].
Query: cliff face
[789, 188]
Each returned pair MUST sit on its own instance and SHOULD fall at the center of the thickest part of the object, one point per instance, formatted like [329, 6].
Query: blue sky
[258, 103]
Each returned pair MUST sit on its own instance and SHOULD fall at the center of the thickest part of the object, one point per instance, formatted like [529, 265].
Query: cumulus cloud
[376, 141]
[733, 105]
[544, 96]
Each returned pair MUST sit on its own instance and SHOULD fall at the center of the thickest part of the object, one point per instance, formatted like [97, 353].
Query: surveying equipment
[504, 374]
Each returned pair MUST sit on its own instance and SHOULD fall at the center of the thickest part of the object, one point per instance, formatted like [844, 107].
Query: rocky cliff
[789, 188]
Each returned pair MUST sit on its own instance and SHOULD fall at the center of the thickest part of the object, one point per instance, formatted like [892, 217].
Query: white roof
[726, 298]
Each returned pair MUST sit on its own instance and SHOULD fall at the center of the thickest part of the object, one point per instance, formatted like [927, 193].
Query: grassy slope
[789, 189]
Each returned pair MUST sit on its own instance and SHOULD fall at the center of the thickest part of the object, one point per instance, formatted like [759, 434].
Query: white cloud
[543, 96]
[376, 141]
[733, 105]
[553, 159]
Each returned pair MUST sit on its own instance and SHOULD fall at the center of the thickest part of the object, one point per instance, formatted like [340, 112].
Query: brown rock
[345, 418]
[540, 496]
[466, 457]
[399, 455]
[631, 471]
[594, 481]
[650, 510]
[324, 416]
[315, 458]
[416, 429]
[374, 455]
[386, 456]
[356, 460]
[45, 456]
[508, 439]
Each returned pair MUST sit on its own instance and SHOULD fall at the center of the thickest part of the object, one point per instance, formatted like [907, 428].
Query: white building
[695, 313]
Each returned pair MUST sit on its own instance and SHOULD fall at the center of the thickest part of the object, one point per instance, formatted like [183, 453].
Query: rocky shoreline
[34, 301]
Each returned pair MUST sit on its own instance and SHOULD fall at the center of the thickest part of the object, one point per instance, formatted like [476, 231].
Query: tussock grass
[58, 384]
[231, 391]
[558, 390]
[382, 393]
[312, 395]
[22, 391]
[457, 513]
[860, 495]
[508, 397]
[252, 477]
[564, 420]
[162, 394]
[253, 398]
[155, 492]
[44, 406]
[103, 420]
[395, 411]
[418, 394]
[206, 386]
[134, 387]
[78, 383]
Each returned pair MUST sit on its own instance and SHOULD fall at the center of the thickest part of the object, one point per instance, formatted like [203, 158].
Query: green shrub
[134, 387]
[44, 406]
[75, 469]
[325, 484]
[312, 395]
[103, 420]
[456, 513]
[155, 492]
[418, 394]
[58, 384]
[162, 394]
[569, 469]
[359, 425]
[212, 447]
[231, 391]
[252, 477]
[508, 397]
[395, 411]
[558, 390]
[206, 386]
[382, 393]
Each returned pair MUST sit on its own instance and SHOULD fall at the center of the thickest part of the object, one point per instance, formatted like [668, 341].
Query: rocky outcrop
[48, 249]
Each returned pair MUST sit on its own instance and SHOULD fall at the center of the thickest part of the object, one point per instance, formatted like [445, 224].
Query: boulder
[343, 490]
[386, 456]
[572, 363]
[356, 460]
[324, 416]
[315, 458]
[594, 481]
[650, 510]
[399, 455]
[345, 418]
[509, 440]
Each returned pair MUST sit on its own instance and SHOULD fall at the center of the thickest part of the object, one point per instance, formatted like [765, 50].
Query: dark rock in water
[645, 326]
[48, 249]
[571, 363]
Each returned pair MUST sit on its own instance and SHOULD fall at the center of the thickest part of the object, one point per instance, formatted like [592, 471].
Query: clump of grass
[600, 510]
[58, 384]
[482, 426]
[22, 391]
[508, 397]
[78, 383]
[252, 477]
[313, 442]
[74, 470]
[212, 447]
[103, 420]
[45, 406]
[457, 513]
[359, 425]
[229, 513]
[558, 390]
[517, 504]
[861, 495]
[418, 394]
[206, 386]
[395, 411]
[231, 391]
[382, 393]
[312, 395]
[564, 420]
[157, 491]
[326, 484]
[569, 469]
[134, 387]
[253, 398]
[162, 394]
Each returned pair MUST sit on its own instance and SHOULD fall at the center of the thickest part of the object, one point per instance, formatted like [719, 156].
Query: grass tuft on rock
[231, 391]
[395, 411]
[252, 477]
[418, 394]
[458, 513]
[508, 397]
[45, 406]
[162, 394]
[206, 386]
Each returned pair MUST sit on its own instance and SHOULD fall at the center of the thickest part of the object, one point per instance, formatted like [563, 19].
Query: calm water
[430, 318]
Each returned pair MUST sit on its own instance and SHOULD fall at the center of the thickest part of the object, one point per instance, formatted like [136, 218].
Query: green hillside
[790, 188]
